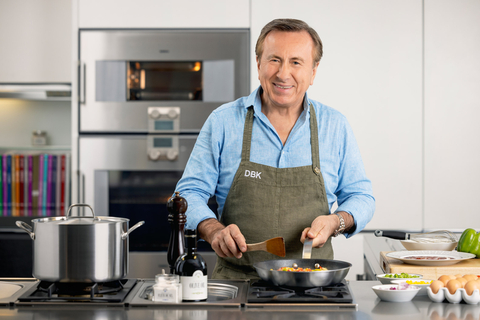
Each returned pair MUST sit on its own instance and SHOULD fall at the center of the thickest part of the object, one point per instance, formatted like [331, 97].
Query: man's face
[286, 68]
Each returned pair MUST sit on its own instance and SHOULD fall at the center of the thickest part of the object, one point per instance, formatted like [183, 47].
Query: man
[276, 162]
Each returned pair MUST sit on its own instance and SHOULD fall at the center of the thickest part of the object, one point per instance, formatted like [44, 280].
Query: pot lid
[80, 220]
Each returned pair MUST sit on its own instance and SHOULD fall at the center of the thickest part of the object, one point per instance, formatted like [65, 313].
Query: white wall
[452, 113]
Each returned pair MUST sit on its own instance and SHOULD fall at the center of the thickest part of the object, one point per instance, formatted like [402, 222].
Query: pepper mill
[176, 206]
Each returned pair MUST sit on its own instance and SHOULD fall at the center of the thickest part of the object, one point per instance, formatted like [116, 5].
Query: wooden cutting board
[391, 265]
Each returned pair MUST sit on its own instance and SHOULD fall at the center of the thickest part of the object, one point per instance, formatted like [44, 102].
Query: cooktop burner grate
[262, 292]
[114, 291]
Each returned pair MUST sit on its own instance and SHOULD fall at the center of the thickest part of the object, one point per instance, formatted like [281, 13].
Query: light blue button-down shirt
[217, 155]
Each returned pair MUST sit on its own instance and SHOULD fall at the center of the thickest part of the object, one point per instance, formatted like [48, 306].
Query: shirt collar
[255, 100]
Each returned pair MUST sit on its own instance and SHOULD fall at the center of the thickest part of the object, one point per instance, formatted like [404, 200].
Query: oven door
[123, 73]
[133, 176]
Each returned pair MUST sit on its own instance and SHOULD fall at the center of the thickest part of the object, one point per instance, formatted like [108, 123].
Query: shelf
[4, 149]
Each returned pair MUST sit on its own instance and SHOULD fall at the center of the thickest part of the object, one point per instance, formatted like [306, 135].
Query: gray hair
[289, 25]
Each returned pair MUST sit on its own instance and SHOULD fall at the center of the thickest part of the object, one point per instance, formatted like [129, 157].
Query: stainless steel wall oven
[143, 98]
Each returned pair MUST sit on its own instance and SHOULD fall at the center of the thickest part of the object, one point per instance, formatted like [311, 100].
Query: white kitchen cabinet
[163, 14]
[371, 71]
[35, 41]
[452, 111]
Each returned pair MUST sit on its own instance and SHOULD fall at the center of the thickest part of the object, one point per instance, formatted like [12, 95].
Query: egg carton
[457, 297]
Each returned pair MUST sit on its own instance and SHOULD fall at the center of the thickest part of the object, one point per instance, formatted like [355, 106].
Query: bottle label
[194, 287]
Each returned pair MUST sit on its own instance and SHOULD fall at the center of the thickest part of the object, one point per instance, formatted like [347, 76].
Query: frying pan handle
[393, 234]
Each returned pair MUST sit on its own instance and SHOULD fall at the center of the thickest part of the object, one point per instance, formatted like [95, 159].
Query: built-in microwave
[126, 77]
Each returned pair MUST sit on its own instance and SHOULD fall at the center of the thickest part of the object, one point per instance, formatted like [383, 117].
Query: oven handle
[82, 72]
[81, 189]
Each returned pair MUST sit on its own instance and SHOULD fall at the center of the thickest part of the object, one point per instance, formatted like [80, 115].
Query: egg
[445, 279]
[471, 285]
[458, 276]
[453, 285]
[436, 285]
[463, 281]
[470, 277]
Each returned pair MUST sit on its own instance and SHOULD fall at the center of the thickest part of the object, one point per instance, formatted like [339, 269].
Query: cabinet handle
[82, 72]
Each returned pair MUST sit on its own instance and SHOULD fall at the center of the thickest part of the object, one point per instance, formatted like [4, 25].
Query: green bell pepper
[469, 242]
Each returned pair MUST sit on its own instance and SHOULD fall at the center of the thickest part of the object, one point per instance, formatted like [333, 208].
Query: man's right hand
[226, 241]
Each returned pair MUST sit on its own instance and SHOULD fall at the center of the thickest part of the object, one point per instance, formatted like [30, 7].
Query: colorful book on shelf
[29, 186]
[9, 184]
[45, 184]
[62, 185]
[4, 181]
[1, 186]
[35, 184]
[20, 160]
[53, 184]
[67, 183]
[14, 186]
[41, 159]
[58, 185]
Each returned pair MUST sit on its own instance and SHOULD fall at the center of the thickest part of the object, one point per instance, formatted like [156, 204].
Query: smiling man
[276, 161]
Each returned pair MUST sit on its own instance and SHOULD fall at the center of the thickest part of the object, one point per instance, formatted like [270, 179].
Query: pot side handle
[139, 224]
[26, 227]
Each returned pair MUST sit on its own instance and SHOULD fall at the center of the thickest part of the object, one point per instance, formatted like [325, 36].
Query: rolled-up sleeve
[200, 177]
[354, 191]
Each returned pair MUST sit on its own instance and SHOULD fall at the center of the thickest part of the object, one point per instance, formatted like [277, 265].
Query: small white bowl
[386, 280]
[413, 245]
[423, 287]
[404, 295]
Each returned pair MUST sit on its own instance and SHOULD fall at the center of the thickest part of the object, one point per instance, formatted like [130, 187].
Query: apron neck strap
[247, 135]
[314, 140]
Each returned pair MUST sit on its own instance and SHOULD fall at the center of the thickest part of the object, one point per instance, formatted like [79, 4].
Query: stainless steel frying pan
[337, 271]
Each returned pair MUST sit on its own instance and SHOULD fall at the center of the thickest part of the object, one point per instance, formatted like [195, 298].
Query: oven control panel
[162, 147]
[163, 119]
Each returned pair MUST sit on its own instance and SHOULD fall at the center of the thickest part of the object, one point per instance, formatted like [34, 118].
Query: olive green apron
[267, 202]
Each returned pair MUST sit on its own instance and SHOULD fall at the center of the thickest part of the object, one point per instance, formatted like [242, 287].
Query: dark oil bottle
[192, 269]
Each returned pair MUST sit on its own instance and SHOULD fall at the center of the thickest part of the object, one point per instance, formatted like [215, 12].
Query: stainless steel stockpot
[80, 248]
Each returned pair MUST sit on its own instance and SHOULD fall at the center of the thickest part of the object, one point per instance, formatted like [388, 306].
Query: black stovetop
[262, 292]
[53, 292]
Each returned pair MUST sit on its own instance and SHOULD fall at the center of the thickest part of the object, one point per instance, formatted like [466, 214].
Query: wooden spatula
[275, 246]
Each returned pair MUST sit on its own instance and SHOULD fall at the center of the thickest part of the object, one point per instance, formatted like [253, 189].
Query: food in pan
[290, 269]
